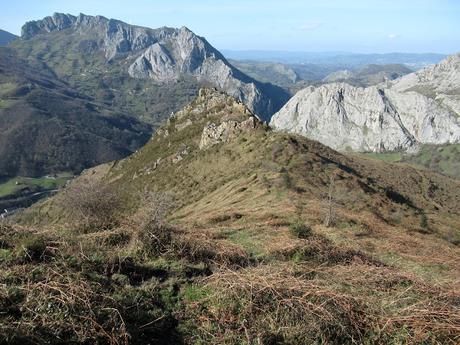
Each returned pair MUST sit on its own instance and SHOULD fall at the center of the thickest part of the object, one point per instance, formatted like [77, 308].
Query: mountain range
[294, 77]
[337, 59]
[419, 108]
[162, 56]
[77, 91]
[6, 37]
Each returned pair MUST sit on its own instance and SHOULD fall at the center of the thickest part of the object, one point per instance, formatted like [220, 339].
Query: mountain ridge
[386, 117]
[245, 225]
[164, 55]
[6, 37]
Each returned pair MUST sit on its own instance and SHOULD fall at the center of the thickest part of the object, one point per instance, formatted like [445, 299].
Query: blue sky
[365, 26]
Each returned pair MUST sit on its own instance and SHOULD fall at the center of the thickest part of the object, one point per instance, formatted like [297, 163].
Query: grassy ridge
[242, 256]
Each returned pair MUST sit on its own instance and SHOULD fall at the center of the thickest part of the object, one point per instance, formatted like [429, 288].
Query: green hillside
[219, 231]
[47, 127]
[443, 159]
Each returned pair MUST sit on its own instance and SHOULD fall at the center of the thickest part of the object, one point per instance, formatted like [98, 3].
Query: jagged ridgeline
[220, 230]
[147, 72]
[79, 91]
[419, 108]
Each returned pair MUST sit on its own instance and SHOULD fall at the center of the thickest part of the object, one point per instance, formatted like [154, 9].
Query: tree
[329, 218]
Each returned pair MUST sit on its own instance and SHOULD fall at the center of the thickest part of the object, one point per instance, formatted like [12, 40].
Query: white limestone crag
[387, 117]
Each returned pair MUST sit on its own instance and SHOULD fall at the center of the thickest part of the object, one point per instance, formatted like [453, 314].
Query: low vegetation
[443, 159]
[49, 127]
[216, 247]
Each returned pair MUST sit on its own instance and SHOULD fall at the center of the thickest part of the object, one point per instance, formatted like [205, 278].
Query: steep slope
[48, 127]
[397, 116]
[86, 49]
[6, 37]
[369, 74]
[246, 246]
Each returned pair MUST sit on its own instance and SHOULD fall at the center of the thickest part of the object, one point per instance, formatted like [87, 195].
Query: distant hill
[368, 75]
[48, 127]
[268, 72]
[294, 77]
[341, 60]
[6, 37]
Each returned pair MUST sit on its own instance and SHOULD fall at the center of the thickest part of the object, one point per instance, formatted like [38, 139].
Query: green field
[390, 157]
[443, 159]
[13, 185]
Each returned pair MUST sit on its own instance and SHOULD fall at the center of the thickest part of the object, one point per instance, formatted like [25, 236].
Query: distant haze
[337, 59]
[358, 26]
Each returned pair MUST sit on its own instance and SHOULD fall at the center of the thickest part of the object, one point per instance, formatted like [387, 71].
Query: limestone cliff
[420, 108]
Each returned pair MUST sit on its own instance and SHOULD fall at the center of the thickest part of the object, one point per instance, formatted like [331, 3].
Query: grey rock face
[396, 116]
[58, 21]
[163, 55]
[214, 134]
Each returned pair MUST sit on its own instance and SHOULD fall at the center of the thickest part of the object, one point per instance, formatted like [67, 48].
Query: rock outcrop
[164, 55]
[387, 117]
[214, 134]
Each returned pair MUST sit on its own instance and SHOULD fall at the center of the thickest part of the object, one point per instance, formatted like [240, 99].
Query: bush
[300, 230]
[424, 221]
[94, 205]
[153, 232]
[156, 238]
[33, 248]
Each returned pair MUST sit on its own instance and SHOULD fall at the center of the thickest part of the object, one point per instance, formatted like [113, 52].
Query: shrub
[423, 221]
[94, 205]
[300, 230]
[33, 248]
[153, 232]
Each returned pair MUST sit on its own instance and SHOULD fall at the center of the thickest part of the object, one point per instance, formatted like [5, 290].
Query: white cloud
[393, 36]
[309, 26]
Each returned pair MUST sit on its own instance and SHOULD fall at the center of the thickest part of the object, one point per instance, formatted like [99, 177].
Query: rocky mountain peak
[212, 118]
[58, 21]
[164, 55]
[443, 77]
[419, 108]
[214, 103]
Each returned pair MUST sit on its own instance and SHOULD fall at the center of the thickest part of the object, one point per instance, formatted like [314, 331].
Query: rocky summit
[419, 108]
[162, 55]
